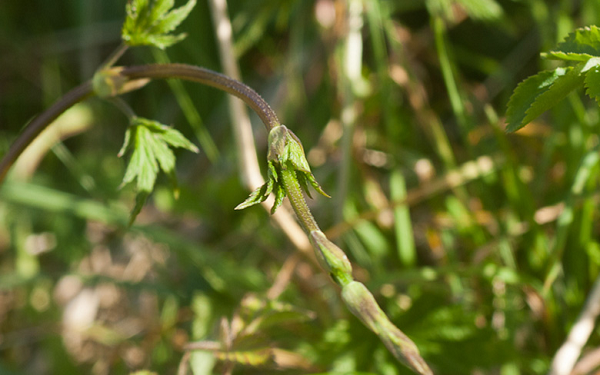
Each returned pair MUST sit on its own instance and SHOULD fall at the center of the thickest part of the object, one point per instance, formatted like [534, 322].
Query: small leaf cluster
[151, 143]
[151, 24]
[544, 90]
[285, 154]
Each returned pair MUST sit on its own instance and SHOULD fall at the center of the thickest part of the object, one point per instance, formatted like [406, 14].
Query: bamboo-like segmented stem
[209, 78]
[38, 124]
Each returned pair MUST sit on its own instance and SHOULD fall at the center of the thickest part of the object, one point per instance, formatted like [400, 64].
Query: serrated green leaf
[261, 193]
[566, 83]
[150, 141]
[525, 94]
[140, 200]
[164, 41]
[279, 192]
[176, 139]
[163, 154]
[142, 166]
[539, 93]
[286, 154]
[151, 25]
[160, 8]
[592, 83]
[136, 11]
[316, 186]
[272, 171]
[579, 45]
[171, 20]
[303, 183]
[256, 197]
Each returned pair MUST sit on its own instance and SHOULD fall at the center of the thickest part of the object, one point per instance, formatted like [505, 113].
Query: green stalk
[294, 194]
[446, 67]
[288, 167]
[288, 171]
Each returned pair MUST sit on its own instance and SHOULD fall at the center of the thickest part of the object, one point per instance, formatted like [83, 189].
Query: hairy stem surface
[294, 194]
[209, 78]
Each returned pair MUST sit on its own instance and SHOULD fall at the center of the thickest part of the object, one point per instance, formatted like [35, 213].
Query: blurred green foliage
[504, 231]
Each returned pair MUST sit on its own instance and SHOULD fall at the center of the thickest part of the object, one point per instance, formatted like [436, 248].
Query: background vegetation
[482, 247]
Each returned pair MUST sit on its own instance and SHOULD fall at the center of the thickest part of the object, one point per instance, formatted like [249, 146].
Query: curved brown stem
[35, 127]
[152, 71]
[209, 78]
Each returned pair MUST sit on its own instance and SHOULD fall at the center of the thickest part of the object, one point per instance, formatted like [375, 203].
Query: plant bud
[331, 258]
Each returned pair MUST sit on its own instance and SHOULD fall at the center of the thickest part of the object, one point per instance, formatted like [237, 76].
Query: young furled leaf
[285, 153]
[151, 142]
[293, 155]
[151, 24]
[258, 196]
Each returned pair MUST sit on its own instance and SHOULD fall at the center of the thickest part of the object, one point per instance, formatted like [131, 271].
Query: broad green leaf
[566, 83]
[539, 93]
[579, 45]
[151, 24]
[142, 166]
[592, 83]
[150, 142]
[159, 8]
[172, 19]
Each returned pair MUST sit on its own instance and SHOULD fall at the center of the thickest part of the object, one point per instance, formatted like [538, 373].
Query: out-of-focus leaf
[580, 45]
[151, 142]
[592, 83]
[485, 10]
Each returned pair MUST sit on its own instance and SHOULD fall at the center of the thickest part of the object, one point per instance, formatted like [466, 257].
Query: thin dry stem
[566, 357]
